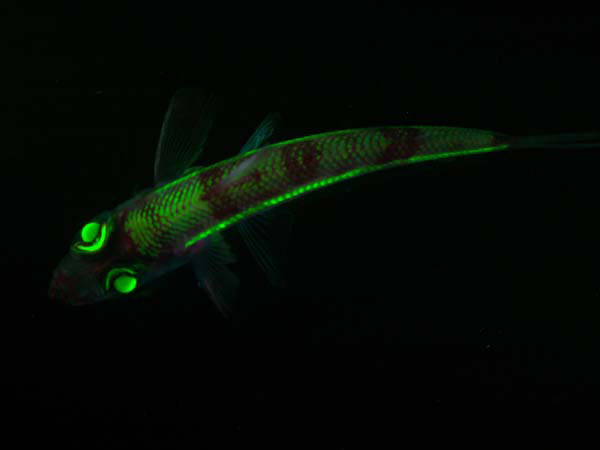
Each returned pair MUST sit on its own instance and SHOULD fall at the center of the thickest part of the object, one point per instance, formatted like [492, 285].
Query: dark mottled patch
[301, 161]
[402, 143]
[214, 193]
[215, 174]
[224, 206]
[255, 176]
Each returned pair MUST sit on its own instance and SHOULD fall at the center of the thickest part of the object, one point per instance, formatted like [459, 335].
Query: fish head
[96, 267]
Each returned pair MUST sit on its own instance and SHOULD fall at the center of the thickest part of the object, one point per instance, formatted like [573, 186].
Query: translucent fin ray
[184, 131]
[263, 132]
[567, 140]
[214, 277]
[267, 236]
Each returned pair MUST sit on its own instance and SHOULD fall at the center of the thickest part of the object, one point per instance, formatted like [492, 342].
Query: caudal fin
[572, 140]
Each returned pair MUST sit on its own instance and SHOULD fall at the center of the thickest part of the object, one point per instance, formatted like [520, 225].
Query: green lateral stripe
[339, 136]
[321, 183]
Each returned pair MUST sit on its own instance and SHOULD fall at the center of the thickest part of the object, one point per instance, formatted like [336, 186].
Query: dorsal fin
[263, 132]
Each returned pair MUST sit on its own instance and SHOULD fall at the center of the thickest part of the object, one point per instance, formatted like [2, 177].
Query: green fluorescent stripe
[321, 183]
[291, 141]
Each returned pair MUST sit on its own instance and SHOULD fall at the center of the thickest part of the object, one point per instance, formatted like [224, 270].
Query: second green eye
[121, 279]
[125, 284]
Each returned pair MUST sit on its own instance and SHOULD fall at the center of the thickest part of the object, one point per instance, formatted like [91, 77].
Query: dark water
[460, 292]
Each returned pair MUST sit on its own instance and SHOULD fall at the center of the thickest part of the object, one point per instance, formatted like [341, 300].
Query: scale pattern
[173, 217]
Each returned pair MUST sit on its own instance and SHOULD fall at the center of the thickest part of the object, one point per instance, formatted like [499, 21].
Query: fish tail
[571, 140]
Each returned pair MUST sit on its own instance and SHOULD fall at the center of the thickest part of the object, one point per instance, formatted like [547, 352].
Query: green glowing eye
[90, 231]
[125, 284]
[125, 280]
[94, 237]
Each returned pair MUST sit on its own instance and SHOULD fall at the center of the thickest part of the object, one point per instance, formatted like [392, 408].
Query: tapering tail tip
[566, 141]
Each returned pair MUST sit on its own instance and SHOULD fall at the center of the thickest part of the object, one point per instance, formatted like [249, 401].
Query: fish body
[181, 219]
[171, 219]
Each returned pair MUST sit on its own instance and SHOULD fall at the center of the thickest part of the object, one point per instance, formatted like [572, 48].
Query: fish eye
[89, 232]
[121, 279]
[93, 237]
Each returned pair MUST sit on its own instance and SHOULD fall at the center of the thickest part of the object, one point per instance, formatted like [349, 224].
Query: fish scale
[173, 217]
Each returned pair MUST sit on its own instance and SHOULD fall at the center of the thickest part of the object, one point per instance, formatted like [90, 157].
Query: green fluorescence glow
[90, 231]
[327, 181]
[125, 284]
[160, 222]
[244, 155]
[125, 280]
[96, 243]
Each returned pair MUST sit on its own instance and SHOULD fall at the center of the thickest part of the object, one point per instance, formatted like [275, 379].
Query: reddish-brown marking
[216, 175]
[223, 206]
[255, 176]
[401, 143]
[226, 206]
[301, 161]
[223, 202]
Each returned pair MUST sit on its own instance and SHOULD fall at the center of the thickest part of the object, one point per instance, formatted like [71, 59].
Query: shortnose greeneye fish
[183, 216]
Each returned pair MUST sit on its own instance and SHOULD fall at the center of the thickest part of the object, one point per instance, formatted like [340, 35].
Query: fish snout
[72, 289]
[62, 289]
[56, 290]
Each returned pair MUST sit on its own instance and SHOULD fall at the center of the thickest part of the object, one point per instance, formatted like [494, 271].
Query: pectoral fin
[184, 133]
[267, 236]
[213, 275]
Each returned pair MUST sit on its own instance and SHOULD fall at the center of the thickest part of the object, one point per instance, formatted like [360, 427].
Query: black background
[459, 292]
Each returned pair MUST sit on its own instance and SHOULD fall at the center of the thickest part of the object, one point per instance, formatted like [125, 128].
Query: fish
[183, 217]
